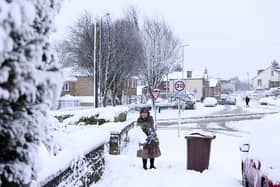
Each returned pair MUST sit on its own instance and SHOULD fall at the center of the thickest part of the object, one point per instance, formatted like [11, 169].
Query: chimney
[260, 70]
[189, 74]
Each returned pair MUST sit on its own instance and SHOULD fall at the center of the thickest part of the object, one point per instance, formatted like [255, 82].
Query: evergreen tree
[29, 81]
[275, 65]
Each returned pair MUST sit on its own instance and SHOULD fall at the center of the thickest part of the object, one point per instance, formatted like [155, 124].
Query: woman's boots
[152, 163]
[145, 164]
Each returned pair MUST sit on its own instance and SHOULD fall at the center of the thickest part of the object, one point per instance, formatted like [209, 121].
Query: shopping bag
[139, 152]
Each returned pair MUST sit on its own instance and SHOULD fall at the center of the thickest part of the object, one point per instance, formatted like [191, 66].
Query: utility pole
[100, 59]
[248, 80]
[183, 58]
[94, 68]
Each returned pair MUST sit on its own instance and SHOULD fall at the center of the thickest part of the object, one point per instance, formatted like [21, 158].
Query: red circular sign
[155, 93]
[179, 85]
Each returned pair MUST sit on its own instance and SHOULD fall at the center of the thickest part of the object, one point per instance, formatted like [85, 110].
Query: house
[129, 90]
[227, 86]
[80, 85]
[214, 88]
[194, 81]
[266, 78]
[76, 86]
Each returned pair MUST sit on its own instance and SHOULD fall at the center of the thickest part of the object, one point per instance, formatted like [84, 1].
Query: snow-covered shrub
[29, 82]
[61, 118]
[121, 117]
[91, 120]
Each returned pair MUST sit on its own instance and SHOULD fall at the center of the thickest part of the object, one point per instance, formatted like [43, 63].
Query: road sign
[155, 93]
[179, 85]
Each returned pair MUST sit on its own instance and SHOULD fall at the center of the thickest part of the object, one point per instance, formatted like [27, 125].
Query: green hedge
[63, 117]
[92, 120]
[121, 117]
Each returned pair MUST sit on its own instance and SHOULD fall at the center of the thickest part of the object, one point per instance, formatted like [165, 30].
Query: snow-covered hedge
[91, 116]
[72, 144]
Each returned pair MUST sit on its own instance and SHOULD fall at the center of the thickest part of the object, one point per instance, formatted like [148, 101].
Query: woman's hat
[145, 110]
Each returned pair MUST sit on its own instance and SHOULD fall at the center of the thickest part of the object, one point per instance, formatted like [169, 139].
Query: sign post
[155, 94]
[179, 86]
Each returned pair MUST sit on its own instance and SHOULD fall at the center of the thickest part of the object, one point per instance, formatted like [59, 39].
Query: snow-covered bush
[91, 120]
[29, 81]
[121, 117]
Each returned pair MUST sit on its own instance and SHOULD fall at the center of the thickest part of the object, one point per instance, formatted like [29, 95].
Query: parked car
[228, 100]
[210, 102]
[187, 100]
[260, 160]
[267, 101]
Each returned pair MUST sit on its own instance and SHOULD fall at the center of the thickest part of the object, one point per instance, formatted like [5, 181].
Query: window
[134, 84]
[66, 87]
[272, 73]
[259, 82]
[273, 84]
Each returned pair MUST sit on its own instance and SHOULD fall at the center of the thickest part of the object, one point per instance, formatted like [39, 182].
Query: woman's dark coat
[151, 146]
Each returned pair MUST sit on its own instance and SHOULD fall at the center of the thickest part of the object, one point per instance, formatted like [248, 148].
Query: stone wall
[118, 140]
[82, 172]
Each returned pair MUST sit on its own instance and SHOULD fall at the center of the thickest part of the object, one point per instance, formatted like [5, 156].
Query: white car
[210, 102]
[260, 158]
[267, 101]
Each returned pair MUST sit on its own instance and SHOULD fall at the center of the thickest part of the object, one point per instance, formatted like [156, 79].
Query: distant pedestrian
[151, 146]
[247, 100]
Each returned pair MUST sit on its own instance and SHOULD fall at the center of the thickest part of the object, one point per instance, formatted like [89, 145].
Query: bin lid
[200, 134]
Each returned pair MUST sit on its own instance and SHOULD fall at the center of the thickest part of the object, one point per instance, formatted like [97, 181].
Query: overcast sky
[228, 37]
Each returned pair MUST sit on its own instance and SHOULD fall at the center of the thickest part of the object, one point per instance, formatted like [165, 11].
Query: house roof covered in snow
[194, 75]
[198, 74]
[213, 82]
[70, 74]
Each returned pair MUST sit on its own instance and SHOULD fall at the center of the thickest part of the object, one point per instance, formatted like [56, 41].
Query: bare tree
[126, 53]
[78, 48]
[161, 50]
[121, 49]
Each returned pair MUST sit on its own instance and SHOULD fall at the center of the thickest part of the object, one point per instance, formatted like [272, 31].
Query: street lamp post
[94, 69]
[183, 51]
[100, 58]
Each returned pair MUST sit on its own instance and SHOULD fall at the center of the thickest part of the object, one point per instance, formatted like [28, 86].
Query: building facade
[82, 86]
[267, 78]
[195, 82]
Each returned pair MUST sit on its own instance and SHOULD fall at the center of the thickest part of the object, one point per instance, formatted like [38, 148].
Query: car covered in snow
[267, 101]
[210, 102]
[187, 101]
[227, 100]
[260, 154]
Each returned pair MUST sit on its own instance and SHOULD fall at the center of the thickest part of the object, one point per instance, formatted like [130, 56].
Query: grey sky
[229, 37]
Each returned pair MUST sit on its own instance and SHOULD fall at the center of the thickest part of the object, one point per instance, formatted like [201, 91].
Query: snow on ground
[225, 162]
[126, 170]
[107, 113]
[199, 111]
[71, 144]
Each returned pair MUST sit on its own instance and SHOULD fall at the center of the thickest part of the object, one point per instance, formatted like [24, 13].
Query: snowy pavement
[224, 170]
